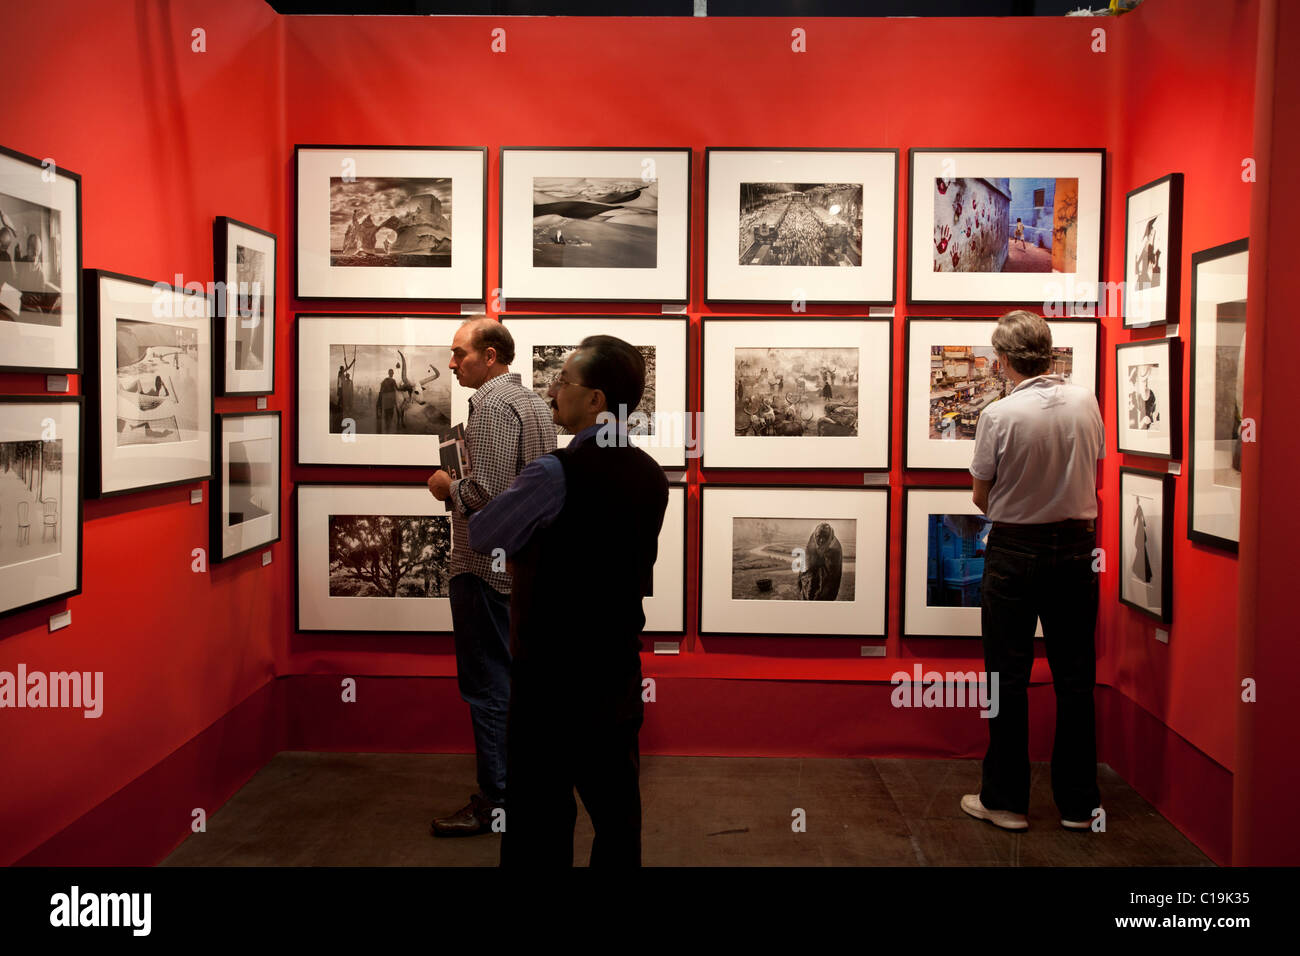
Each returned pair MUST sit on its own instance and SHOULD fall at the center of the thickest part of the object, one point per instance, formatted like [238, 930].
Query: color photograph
[966, 379]
[1005, 225]
[955, 560]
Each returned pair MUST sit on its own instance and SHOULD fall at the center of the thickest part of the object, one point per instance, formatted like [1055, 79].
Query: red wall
[220, 145]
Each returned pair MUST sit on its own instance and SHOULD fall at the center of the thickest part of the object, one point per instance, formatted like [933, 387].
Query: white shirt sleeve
[984, 463]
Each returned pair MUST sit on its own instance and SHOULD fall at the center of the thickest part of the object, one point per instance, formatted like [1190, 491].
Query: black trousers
[565, 734]
[1032, 572]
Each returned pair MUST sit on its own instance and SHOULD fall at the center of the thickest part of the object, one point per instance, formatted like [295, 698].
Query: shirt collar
[1038, 381]
[495, 382]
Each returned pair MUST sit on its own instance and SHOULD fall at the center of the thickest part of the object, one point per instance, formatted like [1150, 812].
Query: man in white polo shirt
[1035, 471]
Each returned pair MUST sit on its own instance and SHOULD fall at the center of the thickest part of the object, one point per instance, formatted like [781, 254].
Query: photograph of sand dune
[595, 222]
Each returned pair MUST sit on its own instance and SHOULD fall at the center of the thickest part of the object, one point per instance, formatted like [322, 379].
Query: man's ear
[490, 356]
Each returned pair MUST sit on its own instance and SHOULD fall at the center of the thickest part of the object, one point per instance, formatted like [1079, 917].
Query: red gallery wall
[167, 139]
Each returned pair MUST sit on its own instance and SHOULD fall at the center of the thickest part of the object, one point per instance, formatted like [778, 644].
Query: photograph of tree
[389, 555]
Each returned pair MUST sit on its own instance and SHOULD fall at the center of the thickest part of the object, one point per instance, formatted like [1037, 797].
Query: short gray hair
[1025, 339]
[491, 334]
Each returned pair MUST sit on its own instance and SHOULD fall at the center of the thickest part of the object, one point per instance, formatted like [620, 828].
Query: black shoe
[470, 820]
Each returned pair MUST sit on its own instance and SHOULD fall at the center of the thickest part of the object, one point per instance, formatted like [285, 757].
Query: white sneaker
[999, 818]
[1076, 824]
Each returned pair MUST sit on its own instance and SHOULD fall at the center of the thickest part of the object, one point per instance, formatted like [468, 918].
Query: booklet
[454, 455]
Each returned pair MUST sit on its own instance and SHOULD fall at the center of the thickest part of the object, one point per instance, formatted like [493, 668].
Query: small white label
[1175, 468]
[876, 478]
[873, 650]
[1171, 331]
[473, 308]
[261, 403]
[56, 383]
[668, 647]
[266, 558]
[1162, 635]
[196, 496]
[672, 476]
[674, 309]
[882, 311]
[60, 620]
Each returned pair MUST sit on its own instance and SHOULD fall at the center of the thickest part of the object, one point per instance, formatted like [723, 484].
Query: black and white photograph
[799, 225]
[1146, 536]
[1148, 378]
[149, 382]
[1217, 415]
[245, 274]
[376, 389]
[1153, 252]
[665, 605]
[372, 558]
[595, 225]
[40, 500]
[660, 423]
[800, 393]
[391, 222]
[806, 560]
[954, 375]
[1006, 225]
[40, 265]
[594, 222]
[245, 514]
[793, 559]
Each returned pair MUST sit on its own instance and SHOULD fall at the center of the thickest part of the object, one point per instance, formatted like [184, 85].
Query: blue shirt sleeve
[533, 502]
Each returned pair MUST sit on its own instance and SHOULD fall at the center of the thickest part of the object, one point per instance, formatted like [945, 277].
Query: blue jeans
[480, 616]
[1032, 572]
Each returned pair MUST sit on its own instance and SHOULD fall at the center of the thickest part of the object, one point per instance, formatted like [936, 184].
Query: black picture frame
[1173, 357]
[1167, 539]
[1172, 276]
[216, 512]
[221, 238]
[686, 551]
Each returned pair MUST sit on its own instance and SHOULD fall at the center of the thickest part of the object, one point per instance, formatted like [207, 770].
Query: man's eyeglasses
[560, 381]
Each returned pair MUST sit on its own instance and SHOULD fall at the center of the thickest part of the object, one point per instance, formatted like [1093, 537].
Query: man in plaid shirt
[508, 426]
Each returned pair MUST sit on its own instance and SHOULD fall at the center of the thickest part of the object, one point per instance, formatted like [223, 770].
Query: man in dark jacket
[581, 526]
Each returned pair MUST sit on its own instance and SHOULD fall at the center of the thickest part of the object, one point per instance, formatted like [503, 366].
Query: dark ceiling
[686, 8]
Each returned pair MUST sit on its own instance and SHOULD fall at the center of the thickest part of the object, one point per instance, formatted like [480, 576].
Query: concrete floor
[336, 809]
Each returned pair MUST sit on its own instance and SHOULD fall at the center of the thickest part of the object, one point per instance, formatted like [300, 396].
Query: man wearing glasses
[582, 528]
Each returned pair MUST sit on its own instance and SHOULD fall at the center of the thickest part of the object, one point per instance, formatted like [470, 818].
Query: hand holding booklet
[454, 456]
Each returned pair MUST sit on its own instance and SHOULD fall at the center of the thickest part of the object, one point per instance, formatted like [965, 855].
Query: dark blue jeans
[480, 616]
[1032, 572]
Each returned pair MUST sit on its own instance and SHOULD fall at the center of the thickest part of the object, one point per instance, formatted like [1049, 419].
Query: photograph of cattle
[793, 559]
[389, 389]
[796, 391]
[548, 360]
[800, 224]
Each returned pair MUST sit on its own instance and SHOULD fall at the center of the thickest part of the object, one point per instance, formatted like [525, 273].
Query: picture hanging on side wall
[1153, 250]
[1146, 534]
[1148, 398]
[595, 225]
[801, 225]
[953, 374]
[1006, 225]
[376, 389]
[391, 222]
[245, 513]
[149, 382]
[40, 265]
[245, 271]
[40, 499]
[660, 424]
[665, 606]
[797, 393]
[1219, 423]
[793, 560]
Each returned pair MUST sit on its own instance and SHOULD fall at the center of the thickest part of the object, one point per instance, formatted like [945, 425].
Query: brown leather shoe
[470, 820]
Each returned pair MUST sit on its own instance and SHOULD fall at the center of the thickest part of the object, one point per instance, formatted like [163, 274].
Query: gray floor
[324, 809]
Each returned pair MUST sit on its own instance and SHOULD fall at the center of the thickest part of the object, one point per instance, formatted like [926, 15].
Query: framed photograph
[40, 500]
[149, 381]
[1005, 225]
[391, 222]
[804, 393]
[1146, 535]
[245, 515]
[794, 560]
[1148, 398]
[1218, 346]
[1153, 252]
[659, 425]
[944, 541]
[665, 606]
[953, 374]
[808, 225]
[244, 270]
[40, 265]
[373, 558]
[595, 225]
[376, 389]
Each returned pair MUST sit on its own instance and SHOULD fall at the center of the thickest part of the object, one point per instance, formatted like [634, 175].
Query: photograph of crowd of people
[387, 221]
[800, 224]
[157, 383]
[389, 389]
[796, 391]
[31, 482]
[595, 222]
[389, 556]
[31, 265]
[793, 559]
[955, 560]
[966, 379]
[548, 361]
[1006, 225]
